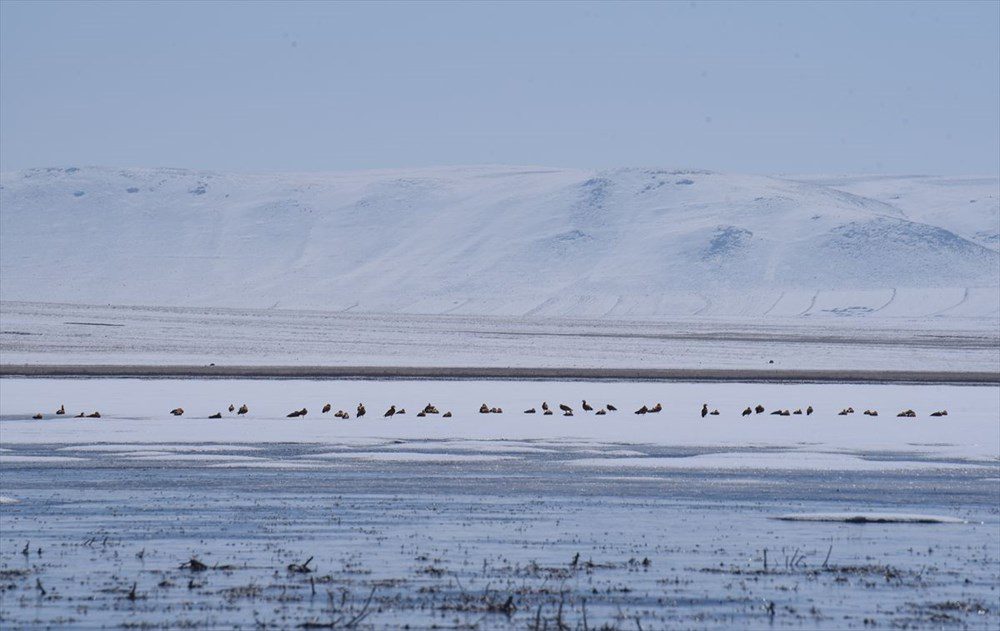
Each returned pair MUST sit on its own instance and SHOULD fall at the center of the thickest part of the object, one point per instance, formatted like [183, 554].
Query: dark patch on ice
[201, 189]
[880, 232]
[132, 189]
[871, 518]
[94, 323]
[849, 311]
[596, 191]
[78, 193]
[72, 170]
[17, 333]
[570, 237]
[684, 182]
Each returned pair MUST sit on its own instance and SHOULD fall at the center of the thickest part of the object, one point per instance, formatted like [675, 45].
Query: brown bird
[80, 415]
[327, 408]
[177, 411]
[390, 412]
[294, 414]
[216, 415]
[611, 408]
[61, 410]
[809, 410]
[656, 408]
[94, 415]
[530, 411]
[361, 410]
[401, 411]
[714, 412]
[243, 409]
[430, 409]
[600, 412]
[704, 410]
[232, 407]
[565, 408]
[587, 407]
[484, 409]
[747, 412]
[798, 411]
[37, 417]
[907, 414]
[759, 409]
[545, 406]
[642, 410]
[446, 415]
[940, 413]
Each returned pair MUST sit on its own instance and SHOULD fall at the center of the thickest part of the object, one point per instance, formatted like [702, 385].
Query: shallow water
[486, 544]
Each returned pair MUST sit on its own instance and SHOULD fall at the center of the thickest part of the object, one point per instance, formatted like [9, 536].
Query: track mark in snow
[775, 304]
[812, 303]
[872, 518]
[891, 298]
[965, 297]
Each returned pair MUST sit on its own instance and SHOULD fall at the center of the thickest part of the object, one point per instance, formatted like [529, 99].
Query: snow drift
[503, 241]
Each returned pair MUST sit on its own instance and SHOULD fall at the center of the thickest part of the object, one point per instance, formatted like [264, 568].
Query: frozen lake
[496, 520]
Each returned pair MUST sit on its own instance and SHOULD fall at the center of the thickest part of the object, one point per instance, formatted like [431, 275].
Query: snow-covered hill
[504, 240]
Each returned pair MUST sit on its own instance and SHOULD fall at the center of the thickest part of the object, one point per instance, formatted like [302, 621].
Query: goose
[545, 406]
[530, 411]
[94, 415]
[177, 411]
[611, 408]
[776, 412]
[421, 414]
[37, 417]
[748, 412]
[704, 410]
[907, 414]
[446, 415]
[216, 415]
[361, 410]
[565, 408]
[390, 412]
[294, 414]
[401, 411]
[656, 408]
[785, 413]
[243, 409]
[80, 415]
[587, 407]
[940, 413]
[484, 409]
[430, 409]
[809, 410]
[642, 410]
[601, 412]
[327, 408]
[714, 412]
[61, 410]
[798, 411]
[759, 409]
[232, 407]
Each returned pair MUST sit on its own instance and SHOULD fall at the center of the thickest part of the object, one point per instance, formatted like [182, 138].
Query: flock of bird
[565, 410]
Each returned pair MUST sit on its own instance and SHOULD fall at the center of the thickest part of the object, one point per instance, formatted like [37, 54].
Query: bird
[421, 414]
[430, 409]
[37, 417]
[231, 407]
[748, 412]
[243, 409]
[177, 411]
[547, 413]
[798, 411]
[759, 409]
[61, 410]
[361, 410]
[611, 408]
[714, 412]
[843, 412]
[294, 414]
[704, 410]
[80, 415]
[776, 412]
[446, 415]
[94, 415]
[601, 412]
[809, 410]
[390, 412]
[303, 412]
[216, 415]
[587, 407]
[940, 413]
[907, 414]
[642, 410]
[484, 409]
[327, 408]
[656, 408]
[401, 411]
[565, 408]
[545, 406]
[530, 411]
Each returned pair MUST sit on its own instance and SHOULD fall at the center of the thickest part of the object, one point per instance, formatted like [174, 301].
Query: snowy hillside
[624, 243]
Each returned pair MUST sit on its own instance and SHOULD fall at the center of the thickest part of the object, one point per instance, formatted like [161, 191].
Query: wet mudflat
[213, 536]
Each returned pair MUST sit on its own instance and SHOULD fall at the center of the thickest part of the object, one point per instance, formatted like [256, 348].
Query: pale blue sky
[256, 86]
